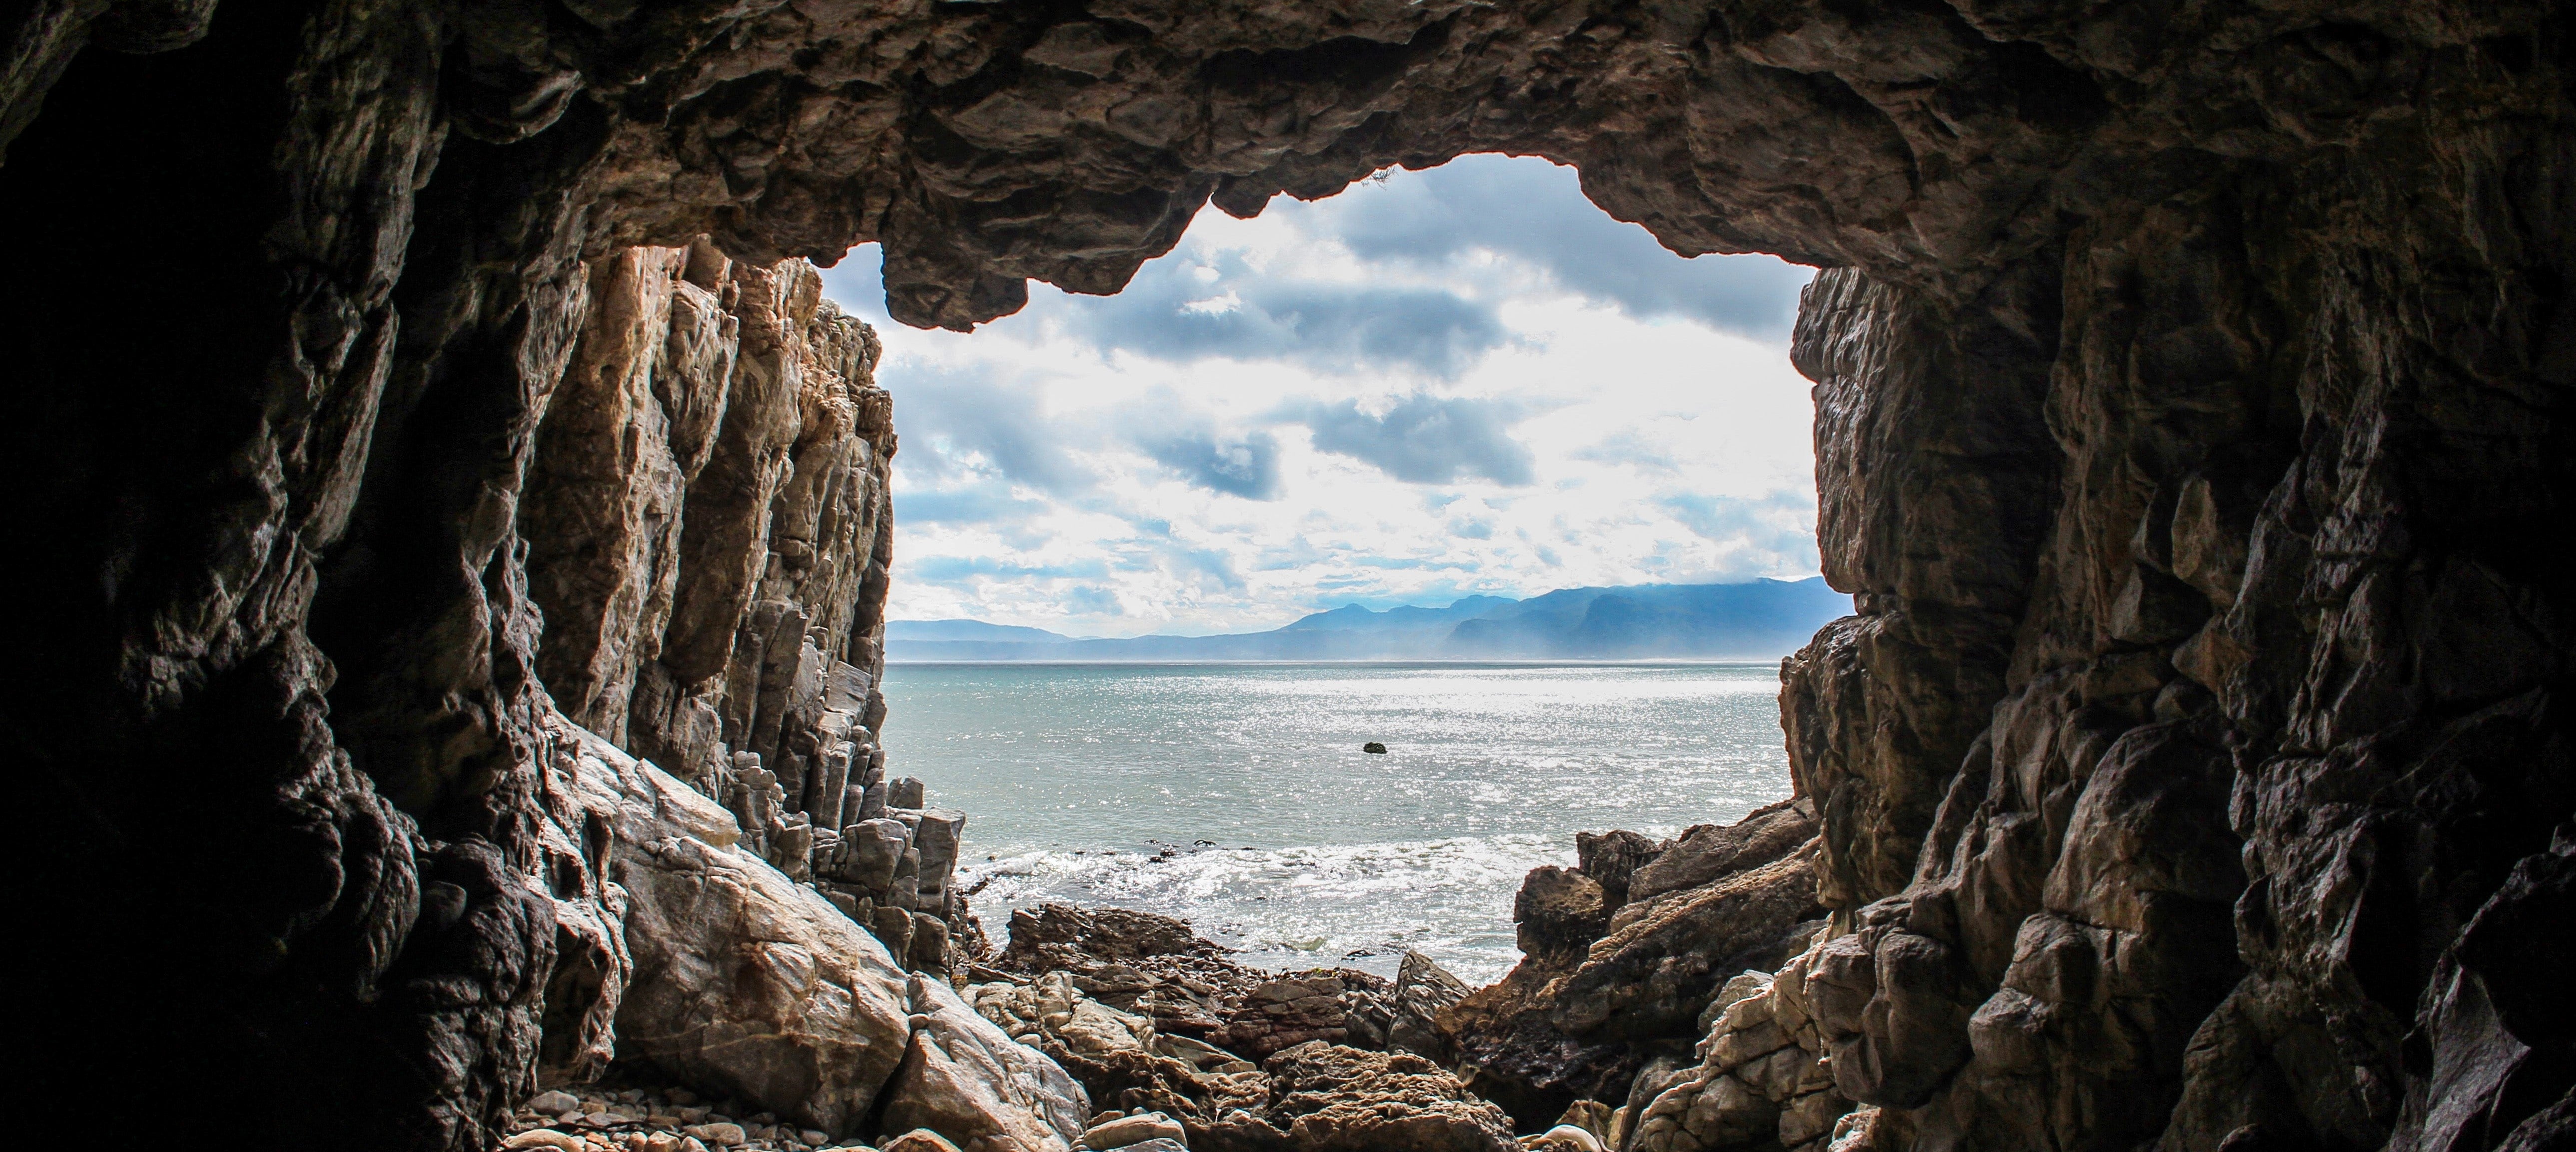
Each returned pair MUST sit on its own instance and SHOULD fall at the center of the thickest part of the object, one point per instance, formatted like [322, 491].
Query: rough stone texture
[1765, 1076]
[745, 983]
[1119, 1057]
[1331, 1098]
[1155, 966]
[1599, 997]
[2192, 383]
[749, 985]
[709, 524]
[967, 1080]
[1311, 1096]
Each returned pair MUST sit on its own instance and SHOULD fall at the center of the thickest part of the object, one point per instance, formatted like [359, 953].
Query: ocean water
[1238, 797]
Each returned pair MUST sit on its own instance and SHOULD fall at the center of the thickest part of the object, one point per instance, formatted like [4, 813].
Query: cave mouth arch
[1462, 381]
[2192, 414]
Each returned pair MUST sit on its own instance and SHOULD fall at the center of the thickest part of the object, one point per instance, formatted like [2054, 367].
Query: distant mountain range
[1760, 620]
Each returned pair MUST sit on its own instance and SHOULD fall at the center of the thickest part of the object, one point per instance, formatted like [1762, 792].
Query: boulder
[919, 1140]
[1704, 852]
[1652, 977]
[1604, 990]
[966, 1079]
[1155, 966]
[1559, 911]
[1612, 858]
[749, 984]
[1423, 990]
[1336, 1006]
[745, 982]
[1118, 1056]
[1127, 1131]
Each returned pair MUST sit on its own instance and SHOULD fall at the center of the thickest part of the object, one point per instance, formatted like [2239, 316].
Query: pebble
[599, 1119]
[723, 1133]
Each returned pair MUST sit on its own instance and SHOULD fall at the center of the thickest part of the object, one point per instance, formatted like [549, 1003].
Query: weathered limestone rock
[1134, 961]
[965, 1079]
[748, 983]
[744, 981]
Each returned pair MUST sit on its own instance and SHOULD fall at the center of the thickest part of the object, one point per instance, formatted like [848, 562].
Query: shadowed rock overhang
[2192, 426]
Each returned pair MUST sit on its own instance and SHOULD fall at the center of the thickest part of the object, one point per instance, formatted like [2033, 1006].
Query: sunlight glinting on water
[1237, 796]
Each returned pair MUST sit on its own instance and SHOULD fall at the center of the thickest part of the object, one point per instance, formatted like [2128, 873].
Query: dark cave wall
[2193, 428]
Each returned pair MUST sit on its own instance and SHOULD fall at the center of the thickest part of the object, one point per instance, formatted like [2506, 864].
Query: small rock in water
[1372, 746]
[554, 1102]
[818, 1139]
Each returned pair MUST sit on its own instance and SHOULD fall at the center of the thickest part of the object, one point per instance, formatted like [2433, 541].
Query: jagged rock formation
[1156, 1022]
[1623, 954]
[2192, 423]
[709, 525]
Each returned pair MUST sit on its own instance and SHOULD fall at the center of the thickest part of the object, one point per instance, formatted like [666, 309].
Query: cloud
[1627, 448]
[968, 418]
[949, 569]
[1536, 212]
[1751, 533]
[978, 504]
[1182, 311]
[1185, 440]
[1427, 439]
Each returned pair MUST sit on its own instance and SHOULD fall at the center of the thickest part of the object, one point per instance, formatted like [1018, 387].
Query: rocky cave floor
[1644, 1015]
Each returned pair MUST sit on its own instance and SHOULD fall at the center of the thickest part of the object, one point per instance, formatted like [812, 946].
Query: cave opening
[1457, 425]
[2192, 410]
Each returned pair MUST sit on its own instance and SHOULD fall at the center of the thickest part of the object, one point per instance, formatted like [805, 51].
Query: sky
[1467, 380]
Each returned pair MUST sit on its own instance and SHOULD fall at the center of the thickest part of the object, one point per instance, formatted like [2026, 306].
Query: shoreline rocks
[1623, 952]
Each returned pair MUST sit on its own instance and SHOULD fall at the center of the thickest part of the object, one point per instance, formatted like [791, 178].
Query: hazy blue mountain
[972, 630]
[1353, 618]
[1763, 619]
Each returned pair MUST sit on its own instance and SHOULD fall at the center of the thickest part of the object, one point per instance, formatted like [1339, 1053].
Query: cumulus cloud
[1246, 466]
[1426, 439]
[992, 421]
[1225, 307]
[1187, 442]
[1536, 212]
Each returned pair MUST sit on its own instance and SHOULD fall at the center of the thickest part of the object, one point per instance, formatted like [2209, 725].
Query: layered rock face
[2192, 430]
[709, 525]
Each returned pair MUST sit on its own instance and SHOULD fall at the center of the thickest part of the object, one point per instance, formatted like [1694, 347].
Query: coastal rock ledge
[419, 418]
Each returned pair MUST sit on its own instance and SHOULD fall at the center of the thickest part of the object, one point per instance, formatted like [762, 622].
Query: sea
[1238, 796]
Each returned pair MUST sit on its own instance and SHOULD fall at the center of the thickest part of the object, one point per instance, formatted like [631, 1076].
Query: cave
[2193, 429]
